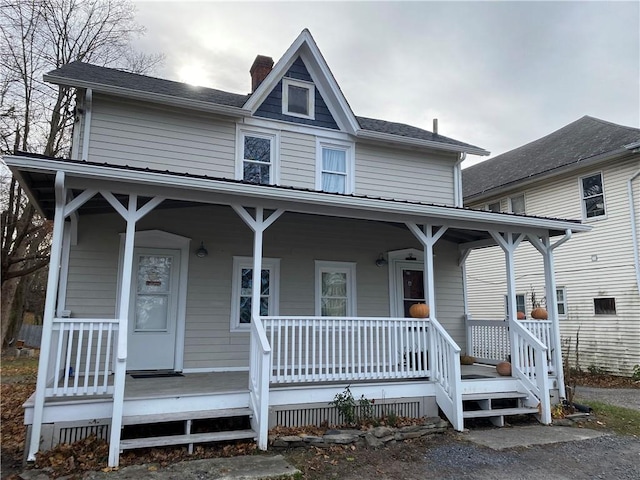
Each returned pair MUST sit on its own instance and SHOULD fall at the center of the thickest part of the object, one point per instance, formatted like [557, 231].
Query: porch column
[546, 248]
[49, 312]
[131, 214]
[258, 225]
[509, 242]
[428, 239]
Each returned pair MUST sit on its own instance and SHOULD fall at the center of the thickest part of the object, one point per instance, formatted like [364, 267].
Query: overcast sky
[496, 74]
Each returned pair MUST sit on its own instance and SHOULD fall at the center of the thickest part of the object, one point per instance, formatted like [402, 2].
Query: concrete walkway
[527, 436]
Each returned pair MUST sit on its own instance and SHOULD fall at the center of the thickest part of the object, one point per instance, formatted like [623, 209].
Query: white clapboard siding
[297, 160]
[404, 174]
[298, 240]
[138, 135]
[591, 265]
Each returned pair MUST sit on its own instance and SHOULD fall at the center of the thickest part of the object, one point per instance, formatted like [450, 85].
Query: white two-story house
[174, 195]
[589, 169]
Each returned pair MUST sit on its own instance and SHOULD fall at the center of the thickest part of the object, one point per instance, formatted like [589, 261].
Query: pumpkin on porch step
[504, 369]
[539, 313]
[467, 360]
[419, 310]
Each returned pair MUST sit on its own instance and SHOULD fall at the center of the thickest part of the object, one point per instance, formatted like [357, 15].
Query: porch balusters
[321, 349]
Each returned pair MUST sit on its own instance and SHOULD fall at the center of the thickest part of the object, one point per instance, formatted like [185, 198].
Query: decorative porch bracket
[546, 248]
[258, 224]
[428, 239]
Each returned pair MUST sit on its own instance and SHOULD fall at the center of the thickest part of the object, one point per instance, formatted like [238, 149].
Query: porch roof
[36, 174]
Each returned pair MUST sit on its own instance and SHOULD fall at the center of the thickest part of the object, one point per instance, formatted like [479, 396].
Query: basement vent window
[604, 306]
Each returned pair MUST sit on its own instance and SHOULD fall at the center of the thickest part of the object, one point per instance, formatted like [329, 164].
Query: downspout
[457, 181]
[634, 229]
[88, 107]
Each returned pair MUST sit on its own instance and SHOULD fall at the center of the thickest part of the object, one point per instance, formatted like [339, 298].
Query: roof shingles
[585, 138]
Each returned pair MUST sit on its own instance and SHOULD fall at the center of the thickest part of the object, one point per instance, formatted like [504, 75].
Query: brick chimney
[259, 70]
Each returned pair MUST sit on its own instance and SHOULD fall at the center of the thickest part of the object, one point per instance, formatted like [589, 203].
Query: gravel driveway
[621, 397]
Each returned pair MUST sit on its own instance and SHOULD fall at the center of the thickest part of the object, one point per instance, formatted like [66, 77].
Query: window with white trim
[257, 157]
[493, 207]
[334, 167]
[242, 288]
[298, 98]
[516, 204]
[521, 304]
[335, 289]
[561, 301]
[592, 189]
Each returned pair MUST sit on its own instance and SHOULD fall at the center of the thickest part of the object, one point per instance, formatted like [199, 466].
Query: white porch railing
[488, 340]
[529, 364]
[324, 349]
[445, 360]
[81, 356]
[260, 360]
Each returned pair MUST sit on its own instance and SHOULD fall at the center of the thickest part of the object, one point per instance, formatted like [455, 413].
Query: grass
[18, 369]
[623, 421]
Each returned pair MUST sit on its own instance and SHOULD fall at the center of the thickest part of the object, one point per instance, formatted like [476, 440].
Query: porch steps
[495, 405]
[187, 438]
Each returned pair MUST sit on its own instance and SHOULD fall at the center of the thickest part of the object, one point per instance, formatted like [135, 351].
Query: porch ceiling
[37, 176]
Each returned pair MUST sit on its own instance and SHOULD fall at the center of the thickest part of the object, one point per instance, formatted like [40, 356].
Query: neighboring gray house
[589, 169]
[174, 195]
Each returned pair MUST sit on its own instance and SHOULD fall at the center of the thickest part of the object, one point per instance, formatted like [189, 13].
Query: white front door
[154, 309]
[409, 286]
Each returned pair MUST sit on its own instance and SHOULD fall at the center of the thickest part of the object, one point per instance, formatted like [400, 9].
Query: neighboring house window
[334, 167]
[561, 297]
[516, 204]
[257, 157]
[335, 289]
[521, 305]
[592, 196]
[242, 287]
[604, 306]
[493, 207]
[298, 98]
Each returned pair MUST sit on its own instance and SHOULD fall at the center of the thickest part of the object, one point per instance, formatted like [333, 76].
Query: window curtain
[334, 169]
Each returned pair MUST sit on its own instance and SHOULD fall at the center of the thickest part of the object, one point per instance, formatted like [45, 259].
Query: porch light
[380, 261]
[201, 252]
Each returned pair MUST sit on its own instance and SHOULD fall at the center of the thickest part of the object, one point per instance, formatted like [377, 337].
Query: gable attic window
[592, 196]
[257, 159]
[298, 98]
[516, 204]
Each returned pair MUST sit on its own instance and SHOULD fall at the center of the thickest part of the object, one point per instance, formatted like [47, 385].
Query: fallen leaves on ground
[587, 379]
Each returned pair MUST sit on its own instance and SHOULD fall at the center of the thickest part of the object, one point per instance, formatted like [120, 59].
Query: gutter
[416, 142]
[150, 97]
[458, 201]
[400, 209]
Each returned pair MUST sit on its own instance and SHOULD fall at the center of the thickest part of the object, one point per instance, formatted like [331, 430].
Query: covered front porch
[300, 355]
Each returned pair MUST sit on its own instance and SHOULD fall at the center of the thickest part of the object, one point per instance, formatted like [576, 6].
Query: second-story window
[257, 157]
[334, 167]
[493, 207]
[516, 204]
[592, 196]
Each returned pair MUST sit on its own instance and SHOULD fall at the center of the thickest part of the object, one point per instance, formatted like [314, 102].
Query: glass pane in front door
[412, 288]
[153, 293]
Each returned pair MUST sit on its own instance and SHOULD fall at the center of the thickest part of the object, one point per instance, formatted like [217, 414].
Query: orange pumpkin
[521, 316]
[419, 310]
[539, 313]
[504, 369]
